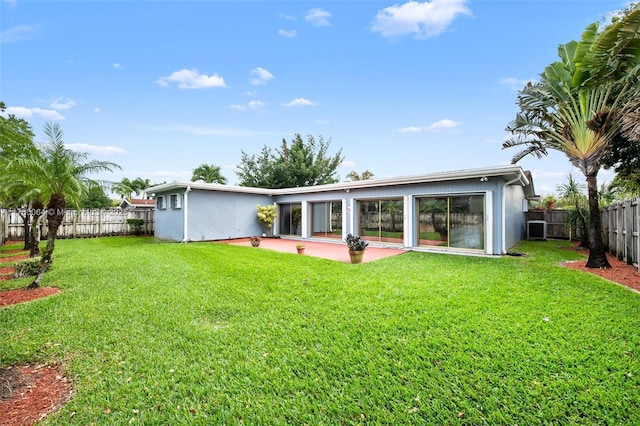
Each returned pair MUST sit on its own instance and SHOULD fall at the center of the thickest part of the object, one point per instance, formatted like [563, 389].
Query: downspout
[185, 212]
[503, 249]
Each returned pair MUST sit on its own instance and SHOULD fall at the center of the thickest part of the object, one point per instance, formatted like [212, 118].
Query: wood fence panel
[623, 230]
[84, 223]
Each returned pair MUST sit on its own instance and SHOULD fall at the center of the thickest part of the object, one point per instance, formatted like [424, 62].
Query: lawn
[201, 333]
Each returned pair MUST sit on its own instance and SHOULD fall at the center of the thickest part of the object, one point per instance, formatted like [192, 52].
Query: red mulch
[619, 272]
[28, 393]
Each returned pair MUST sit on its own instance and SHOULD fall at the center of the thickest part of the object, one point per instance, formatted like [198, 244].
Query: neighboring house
[137, 204]
[478, 211]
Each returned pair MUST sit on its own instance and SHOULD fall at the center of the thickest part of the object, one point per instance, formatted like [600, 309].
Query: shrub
[136, 224]
[27, 268]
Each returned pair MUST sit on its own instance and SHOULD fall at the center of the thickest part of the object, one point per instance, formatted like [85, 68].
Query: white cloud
[320, 121]
[11, 3]
[423, 19]
[514, 83]
[318, 17]
[288, 33]
[117, 65]
[250, 105]
[262, 76]
[287, 17]
[299, 102]
[18, 33]
[23, 112]
[96, 109]
[96, 149]
[443, 124]
[60, 104]
[437, 126]
[192, 79]
[411, 129]
[348, 163]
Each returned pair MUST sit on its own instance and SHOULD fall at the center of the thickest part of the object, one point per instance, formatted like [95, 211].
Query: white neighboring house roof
[513, 174]
[137, 203]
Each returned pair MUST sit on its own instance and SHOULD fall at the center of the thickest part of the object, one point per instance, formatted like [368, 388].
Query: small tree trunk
[57, 206]
[597, 255]
[34, 234]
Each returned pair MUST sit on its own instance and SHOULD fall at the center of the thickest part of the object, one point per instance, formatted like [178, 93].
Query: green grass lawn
[200, 333]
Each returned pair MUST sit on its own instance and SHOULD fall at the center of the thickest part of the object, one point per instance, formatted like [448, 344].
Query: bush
[27, 268]
[137, 225]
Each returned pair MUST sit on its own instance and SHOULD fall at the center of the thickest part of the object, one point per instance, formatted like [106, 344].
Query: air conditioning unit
[536, 230]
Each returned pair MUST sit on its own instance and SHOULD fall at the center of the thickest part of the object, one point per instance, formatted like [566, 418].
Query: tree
[16, 141]
[140, 185]
[208, 173]
[61, 175]
[354, 176]
[577, 109]
[96, 198]
[124, 188]
[572, 194]
[296, 165]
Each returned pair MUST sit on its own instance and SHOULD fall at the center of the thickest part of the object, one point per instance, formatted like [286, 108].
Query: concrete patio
[328, 250]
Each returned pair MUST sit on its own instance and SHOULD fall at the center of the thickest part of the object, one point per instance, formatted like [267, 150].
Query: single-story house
[478, 211]
[137, 204]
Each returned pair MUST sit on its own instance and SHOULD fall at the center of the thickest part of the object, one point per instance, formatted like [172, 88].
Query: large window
[381, 220]
[326, 219]
[290, 219]
[451, 221]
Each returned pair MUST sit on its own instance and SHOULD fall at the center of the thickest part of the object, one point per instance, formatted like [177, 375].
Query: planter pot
[255, 243]
[356, 256]
[300, 250]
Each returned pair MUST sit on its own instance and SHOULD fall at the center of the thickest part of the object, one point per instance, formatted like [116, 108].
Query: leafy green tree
[354, 176]
[96, 198]
[208, 173]
[577, 108]
[61, 176]
[298, 164]
[139, 185]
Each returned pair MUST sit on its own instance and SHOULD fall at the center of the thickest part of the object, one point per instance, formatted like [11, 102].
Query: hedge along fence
[620, 230]
[79, 223]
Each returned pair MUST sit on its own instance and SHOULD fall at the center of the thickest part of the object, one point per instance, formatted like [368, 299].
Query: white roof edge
[509, 172]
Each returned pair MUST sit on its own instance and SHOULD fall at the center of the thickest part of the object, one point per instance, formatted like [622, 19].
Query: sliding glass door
[456, 221]
[381, 220]
[326, 219]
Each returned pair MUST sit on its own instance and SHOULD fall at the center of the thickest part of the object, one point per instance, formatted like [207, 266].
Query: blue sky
[403, 88]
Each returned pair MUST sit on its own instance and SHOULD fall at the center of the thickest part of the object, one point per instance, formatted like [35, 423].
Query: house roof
[137, 203]
[513, 175]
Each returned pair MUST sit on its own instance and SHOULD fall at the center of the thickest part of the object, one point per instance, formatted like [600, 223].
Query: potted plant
[255, 240]
[356, 248]
[300, 248]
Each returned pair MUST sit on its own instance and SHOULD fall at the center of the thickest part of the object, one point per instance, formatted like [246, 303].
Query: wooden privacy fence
[79, 223]
[556, 223]
[620, 230]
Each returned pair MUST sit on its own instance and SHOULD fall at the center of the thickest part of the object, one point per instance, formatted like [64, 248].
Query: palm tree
[139, 185]
[208, 173]
[572, 193]
[576, 109]
[61, 178]
[354, 176]
[124, 188]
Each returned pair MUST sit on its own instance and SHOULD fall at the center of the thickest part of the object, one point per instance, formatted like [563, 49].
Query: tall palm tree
[354, 176]
[577, 109]
[61, 176]
[208, 173]
[139, 185]
[124, 188]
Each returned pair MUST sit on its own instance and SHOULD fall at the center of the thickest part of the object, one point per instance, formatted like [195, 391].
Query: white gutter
[503, 249]
[185, 212]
